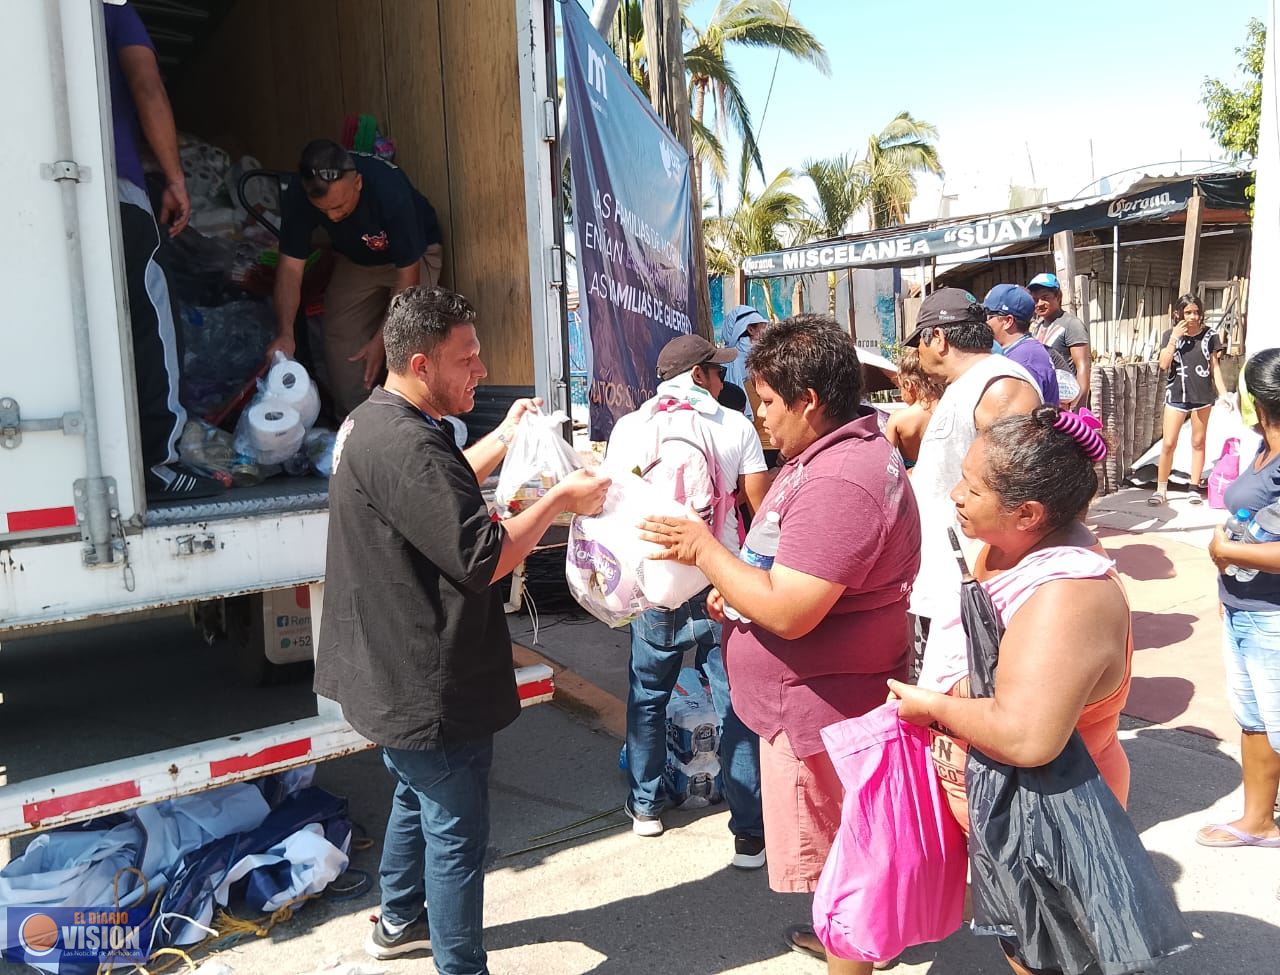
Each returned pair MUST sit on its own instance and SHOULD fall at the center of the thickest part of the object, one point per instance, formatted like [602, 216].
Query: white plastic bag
[537, 459]
[608, 564]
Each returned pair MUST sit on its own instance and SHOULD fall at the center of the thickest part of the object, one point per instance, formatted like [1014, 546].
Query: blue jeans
[1251, 648]
[659, 639]
[435, 846]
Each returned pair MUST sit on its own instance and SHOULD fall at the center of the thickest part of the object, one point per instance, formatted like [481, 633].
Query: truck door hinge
[65, 169]
[81, 491]
[556, 276]
[13, 426]
[549, 120]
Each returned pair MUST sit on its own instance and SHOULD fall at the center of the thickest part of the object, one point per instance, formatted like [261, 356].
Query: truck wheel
[246, 651]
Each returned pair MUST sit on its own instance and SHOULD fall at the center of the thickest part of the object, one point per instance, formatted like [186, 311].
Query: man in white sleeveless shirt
[954, 342]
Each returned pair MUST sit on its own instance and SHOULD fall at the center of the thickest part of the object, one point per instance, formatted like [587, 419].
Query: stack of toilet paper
[272, 428]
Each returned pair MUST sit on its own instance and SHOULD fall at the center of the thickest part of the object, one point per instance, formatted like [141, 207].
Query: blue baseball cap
[1009, 299]
[1045, 280]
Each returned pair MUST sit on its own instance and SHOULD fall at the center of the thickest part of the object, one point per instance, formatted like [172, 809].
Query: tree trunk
[699, 105]
[670, 97]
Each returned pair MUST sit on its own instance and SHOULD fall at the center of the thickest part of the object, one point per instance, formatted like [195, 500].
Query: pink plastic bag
[1226, 470]
[896, 873]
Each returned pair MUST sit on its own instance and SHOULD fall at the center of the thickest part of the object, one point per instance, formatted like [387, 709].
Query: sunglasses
[327, 175]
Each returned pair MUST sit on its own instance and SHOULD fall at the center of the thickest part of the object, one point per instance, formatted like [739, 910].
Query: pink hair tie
[1083, 428]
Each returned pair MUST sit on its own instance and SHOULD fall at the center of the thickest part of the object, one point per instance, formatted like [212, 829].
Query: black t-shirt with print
[392, 224]
[1191, 373]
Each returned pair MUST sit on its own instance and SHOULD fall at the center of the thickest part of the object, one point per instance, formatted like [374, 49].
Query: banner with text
[632, 214]
[911, 245]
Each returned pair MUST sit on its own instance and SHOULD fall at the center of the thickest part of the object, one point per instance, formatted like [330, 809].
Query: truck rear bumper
[83, 794]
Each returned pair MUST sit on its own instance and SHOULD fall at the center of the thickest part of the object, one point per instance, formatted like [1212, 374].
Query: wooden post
[1064, 266]
[853, 310]
[1191, 245]
[663, 33]
[740, 286]
[797, 297]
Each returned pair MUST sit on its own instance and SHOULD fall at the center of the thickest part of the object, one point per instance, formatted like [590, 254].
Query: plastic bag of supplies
[537, 459]
[608, 565]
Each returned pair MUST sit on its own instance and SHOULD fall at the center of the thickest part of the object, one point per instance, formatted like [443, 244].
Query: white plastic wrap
[536, 460]
[608, 565]
[289, 382]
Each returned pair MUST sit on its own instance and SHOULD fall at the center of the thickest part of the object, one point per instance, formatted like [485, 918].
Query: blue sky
[1008, 88]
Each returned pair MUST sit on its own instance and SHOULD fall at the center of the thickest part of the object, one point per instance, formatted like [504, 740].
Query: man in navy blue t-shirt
[1009, 309]
[385, 237]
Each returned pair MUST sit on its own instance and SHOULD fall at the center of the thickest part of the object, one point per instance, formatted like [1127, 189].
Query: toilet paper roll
[275, 431]
[289, 383]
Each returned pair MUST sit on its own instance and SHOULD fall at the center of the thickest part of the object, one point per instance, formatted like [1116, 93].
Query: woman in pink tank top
[1065, 656]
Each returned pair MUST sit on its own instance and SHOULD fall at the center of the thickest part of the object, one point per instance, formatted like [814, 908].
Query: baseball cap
[1045, 280]
[1010, 299]
[946, 306]
[686, 351]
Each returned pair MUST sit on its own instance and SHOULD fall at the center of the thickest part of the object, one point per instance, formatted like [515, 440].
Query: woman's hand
[682, 539]
[1219, 549]
[1179, 332]
[715, 606]
[915, 703]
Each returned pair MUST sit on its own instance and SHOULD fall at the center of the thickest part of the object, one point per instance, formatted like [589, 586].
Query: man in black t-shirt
[385, 238]
[413, 640]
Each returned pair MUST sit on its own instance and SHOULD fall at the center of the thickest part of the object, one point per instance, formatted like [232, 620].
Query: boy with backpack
[705, 455]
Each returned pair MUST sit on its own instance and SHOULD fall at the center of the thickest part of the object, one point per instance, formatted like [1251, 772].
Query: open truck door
[67, 430]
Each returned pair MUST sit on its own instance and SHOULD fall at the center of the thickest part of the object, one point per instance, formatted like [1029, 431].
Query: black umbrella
[1057, 868]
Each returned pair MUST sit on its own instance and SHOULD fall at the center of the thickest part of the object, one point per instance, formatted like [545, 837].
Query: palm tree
[841, 190]
[771, 220]
[751, 23]
[901, 149]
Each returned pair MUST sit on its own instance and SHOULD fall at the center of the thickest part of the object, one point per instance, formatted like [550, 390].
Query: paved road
[612, 902]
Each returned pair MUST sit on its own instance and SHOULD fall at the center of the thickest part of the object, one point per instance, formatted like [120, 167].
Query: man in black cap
[385, 237]
[954, 342]
[689, 370]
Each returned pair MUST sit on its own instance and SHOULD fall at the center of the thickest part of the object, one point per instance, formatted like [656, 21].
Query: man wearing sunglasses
[385, 237]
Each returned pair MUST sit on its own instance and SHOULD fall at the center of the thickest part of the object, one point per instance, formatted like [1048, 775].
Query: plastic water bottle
[759, 550]
[1237, 528]
[1262, 527]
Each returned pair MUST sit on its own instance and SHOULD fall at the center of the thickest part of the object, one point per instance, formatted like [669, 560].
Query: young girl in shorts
[1189, 353]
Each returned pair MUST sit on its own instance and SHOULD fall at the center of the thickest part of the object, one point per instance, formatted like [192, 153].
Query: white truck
[468, 95]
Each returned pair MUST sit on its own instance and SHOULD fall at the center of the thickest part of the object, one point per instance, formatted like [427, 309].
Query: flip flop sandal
[1197, 496]
[1238, 838]
[793, 933]
[1157, 501]
[791, 936]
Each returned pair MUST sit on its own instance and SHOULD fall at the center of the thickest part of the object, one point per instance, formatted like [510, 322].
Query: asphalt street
[607, 902]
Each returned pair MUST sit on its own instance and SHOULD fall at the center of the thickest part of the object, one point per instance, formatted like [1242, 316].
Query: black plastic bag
[1057, 868]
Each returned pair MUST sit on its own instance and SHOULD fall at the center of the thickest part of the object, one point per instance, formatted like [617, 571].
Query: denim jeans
[659, 640]
[1251, 647]
[435, 846]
